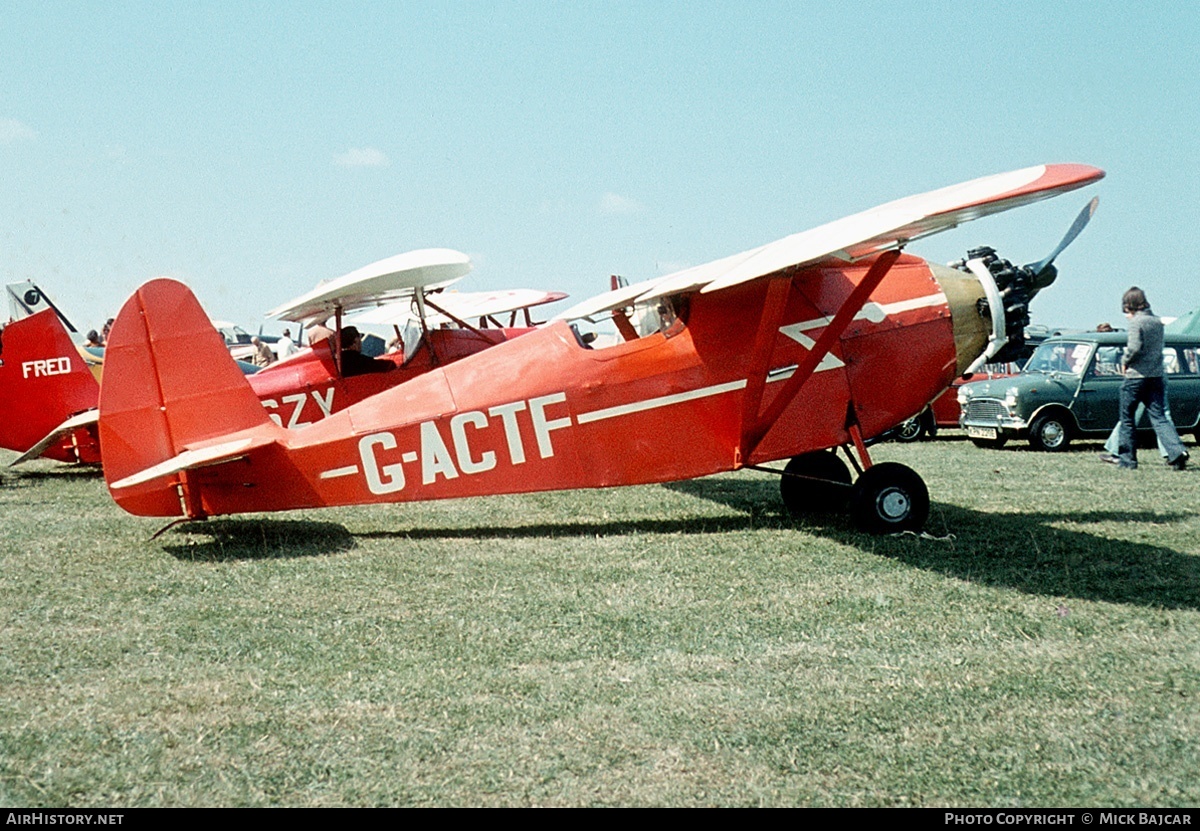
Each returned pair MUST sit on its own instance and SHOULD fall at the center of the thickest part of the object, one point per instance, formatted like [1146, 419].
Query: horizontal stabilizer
[75, 422]
[217, 454]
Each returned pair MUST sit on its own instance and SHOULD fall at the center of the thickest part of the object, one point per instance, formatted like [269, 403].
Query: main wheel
[1049, 432]
[889, 498]
[815, 482]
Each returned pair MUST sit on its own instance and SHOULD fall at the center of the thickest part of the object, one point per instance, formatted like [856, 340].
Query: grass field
[678, 645]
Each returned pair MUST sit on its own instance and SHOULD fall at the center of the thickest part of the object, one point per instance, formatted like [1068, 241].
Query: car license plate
[981, 432]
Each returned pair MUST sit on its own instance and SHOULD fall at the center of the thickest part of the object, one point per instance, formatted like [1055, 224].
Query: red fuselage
[545, 412]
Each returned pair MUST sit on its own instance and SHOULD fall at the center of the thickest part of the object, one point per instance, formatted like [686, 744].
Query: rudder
[169, 382]
[44, 381]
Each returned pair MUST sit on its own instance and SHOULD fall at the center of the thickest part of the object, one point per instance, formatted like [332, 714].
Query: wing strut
[757, 429]
[337, 340]
[457, 320]
[764, 342]
[419, 299]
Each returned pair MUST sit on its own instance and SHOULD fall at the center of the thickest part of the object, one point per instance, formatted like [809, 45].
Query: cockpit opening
[665, 315]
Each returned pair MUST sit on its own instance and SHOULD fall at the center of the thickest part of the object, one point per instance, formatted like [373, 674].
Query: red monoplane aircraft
[48, 398]
[781, 352]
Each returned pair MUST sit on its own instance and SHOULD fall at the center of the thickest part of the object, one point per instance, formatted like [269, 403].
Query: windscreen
[1068, 357]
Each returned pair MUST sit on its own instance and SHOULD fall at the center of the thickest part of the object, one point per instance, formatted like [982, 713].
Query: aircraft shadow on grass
[1026, 552]
[259, 539]
[59, 473]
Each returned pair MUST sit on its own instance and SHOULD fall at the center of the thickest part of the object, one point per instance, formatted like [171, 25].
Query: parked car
[1070, 388]
[945, 410]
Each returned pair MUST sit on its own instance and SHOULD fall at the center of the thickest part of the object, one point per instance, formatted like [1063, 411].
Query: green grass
[677, 645]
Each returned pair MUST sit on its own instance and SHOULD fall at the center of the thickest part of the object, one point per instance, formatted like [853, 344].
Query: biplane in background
[408, 289]
[786, 351]
[48, 406]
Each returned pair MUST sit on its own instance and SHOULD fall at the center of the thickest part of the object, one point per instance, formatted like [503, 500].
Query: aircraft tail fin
[44, 382]
[170, 386]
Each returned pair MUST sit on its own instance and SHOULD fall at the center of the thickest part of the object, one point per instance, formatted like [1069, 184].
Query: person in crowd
[263, 356]
[1143, 384]
[285, 345]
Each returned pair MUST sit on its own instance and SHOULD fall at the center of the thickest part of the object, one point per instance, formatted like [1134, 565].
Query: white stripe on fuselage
[873, 312]
[655, 403]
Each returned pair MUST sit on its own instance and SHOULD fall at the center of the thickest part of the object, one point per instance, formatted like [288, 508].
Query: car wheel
[889, 498]
[931, 426]
[991, 444]
[815, 482]
[911, 430]
[1050, 433]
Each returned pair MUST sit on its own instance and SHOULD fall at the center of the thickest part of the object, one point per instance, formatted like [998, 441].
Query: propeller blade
[1078, 225]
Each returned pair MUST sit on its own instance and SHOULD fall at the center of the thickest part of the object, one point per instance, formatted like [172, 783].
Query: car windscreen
[1067, 357]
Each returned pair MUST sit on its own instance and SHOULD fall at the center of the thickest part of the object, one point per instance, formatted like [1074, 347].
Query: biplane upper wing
[888, 226]
[464, 305]
[386, 281]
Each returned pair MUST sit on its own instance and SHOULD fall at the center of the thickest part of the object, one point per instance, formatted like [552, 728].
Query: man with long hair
[1143, 363]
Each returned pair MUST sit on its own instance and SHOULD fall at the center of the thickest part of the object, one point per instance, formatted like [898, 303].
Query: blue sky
[252, 149]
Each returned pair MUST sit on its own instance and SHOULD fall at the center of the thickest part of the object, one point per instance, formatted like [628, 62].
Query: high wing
[889, 226]
[461, 305]
[384, 282]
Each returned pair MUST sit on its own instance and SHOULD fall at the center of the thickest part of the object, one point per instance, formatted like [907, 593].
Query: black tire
[889, 498]
[991, 444]
[1050, 433]
[931, 426]
[815, 482]
[911, 430]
